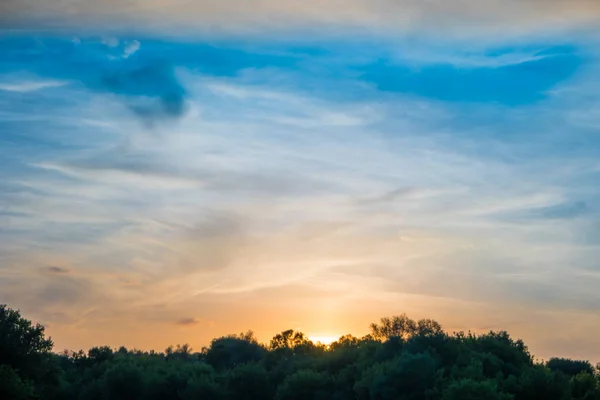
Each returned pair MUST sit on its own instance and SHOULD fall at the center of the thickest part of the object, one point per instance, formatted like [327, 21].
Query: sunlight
[324, 339]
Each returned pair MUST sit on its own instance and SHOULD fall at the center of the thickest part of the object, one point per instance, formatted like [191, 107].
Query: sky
[176, 171]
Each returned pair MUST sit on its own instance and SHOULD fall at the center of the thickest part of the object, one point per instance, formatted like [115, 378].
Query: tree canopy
[401, 359]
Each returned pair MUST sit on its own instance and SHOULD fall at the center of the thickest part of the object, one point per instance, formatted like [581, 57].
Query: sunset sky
[173, 171]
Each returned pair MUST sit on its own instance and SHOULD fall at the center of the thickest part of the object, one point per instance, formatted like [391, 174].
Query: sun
[323, 339]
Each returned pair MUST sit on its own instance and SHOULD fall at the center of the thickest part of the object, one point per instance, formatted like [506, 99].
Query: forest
[401, 359]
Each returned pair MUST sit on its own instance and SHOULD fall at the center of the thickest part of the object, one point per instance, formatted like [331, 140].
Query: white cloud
[29, 86]
[131, 48]
[267, 190]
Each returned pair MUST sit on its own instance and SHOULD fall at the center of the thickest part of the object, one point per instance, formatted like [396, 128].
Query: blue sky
[280, 176]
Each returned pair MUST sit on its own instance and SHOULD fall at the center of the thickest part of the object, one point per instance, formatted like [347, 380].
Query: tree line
[401, 359]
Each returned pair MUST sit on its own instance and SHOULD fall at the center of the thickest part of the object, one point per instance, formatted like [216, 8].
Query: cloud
[184, 16]
[564, 211]
[187, 322]
[518, 83]
[63, 291]
[57, 270]
[561, 211]
[296, 188]
[59, 296]
[403, 194]
[131, 48]
[148, 85]
[29, 86]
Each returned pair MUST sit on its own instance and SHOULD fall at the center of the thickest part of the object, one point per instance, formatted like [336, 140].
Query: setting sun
[324, 339]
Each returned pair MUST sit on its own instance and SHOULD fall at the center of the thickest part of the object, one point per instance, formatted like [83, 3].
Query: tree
[400, 360]
[204, 388]
[249, 382]
[428, 327]
[26, 351]
[585, 386]
[569, 367]
[12, 386]
[408, 377]
[305, 385]
[100, 354]
[540, 383]
[22, 344]
[288, 340]
[469, 389]
[510, 356]
[181, 352]
[229, 351]
[346, 341]
[124, 381]
[400, 326]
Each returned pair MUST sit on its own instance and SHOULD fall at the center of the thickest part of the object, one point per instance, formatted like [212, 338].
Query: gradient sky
[175, 171]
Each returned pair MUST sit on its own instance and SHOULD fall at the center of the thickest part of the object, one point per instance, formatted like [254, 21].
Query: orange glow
[324, 339]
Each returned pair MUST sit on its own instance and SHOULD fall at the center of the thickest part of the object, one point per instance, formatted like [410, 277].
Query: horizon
[176, 172]
[320, 341]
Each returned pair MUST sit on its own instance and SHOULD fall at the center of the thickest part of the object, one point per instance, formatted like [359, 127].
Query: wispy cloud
[57, 270]
[29, 86]
[187, 321]
[291, 184]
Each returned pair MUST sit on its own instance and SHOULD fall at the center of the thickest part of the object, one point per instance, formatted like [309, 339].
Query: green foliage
[204, 388]
[407, 377]
[12, 386]
[230, 351]
[470, 389]
[124, 381]
[25, 356]
[540, 383]
[23, 345]
[248, 382]
[401, 359]
[585, 386]
[569, 367]
[180, 352]
[305, 385]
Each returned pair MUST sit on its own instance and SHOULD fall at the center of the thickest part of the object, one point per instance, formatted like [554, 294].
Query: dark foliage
[401, 359]
[570, 367]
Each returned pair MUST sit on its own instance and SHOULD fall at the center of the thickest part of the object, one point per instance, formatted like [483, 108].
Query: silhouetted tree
[469, 389]
[400, 326]
[305, 385]
[407, 377]
[181, 352]
[400, 360]
[288, 340]
[12, 386]
[26, 352]
[249, 382]
[569, 367]
[540, 383]
[230, 351]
